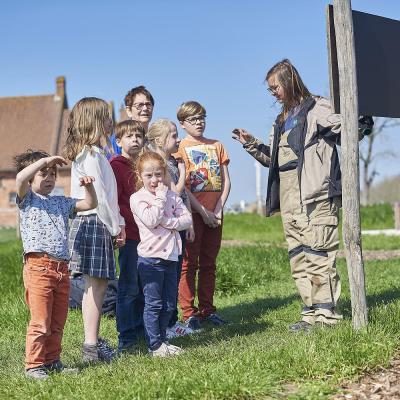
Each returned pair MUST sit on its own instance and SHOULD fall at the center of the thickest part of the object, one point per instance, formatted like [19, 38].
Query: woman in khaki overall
[304, 185]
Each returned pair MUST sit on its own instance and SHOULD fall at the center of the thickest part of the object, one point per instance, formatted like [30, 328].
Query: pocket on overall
[324, 233]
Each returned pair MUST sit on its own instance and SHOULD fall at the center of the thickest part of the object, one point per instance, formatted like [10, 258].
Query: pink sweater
[159, 217]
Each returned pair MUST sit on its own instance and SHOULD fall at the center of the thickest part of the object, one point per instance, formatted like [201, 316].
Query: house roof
[35, 122]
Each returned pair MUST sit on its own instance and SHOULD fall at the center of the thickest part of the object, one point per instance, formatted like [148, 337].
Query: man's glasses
[195, 120]
[140, 106]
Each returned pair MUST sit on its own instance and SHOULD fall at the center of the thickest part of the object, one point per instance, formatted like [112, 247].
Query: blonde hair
[188, 109]
[293, 87]
[148, 156]
[86, 126]
[158, 134]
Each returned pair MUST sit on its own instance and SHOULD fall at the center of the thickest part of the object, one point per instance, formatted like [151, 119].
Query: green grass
[7, 234]
[253, 357]
[269, 232]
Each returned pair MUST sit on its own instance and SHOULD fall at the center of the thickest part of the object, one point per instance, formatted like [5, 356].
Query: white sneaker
[175, 350]
[162, 351]
[179, 330]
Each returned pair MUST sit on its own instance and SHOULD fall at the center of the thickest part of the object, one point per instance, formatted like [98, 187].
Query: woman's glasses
[140, 106]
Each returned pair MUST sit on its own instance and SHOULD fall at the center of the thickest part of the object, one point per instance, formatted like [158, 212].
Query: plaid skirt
[91, 247]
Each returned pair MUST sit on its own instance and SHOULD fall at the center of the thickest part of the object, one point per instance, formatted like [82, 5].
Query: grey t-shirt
[44, 223]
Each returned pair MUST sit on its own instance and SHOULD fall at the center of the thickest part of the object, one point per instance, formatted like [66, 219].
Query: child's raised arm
[150, 213]
[24, 176]
[90, 200]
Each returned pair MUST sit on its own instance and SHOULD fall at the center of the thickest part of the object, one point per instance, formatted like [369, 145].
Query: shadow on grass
[242, 321]
[373, 300]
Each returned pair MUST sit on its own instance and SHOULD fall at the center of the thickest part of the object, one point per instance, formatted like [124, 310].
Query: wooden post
[350, 164]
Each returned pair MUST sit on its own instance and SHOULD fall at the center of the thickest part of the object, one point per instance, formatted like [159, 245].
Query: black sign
[377, 50]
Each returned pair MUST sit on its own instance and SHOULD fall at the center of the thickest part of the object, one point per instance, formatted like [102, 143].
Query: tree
[369, 155]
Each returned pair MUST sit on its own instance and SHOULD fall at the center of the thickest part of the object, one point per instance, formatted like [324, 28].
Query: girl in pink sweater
[159, 214]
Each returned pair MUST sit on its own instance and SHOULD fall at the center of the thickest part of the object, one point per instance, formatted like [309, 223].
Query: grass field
[254, 357]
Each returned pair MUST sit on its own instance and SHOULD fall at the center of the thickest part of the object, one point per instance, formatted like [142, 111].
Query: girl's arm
[150, 212]
[24, 176]
[107, 208]
[226, 188]
[182, 220]
[90, 200]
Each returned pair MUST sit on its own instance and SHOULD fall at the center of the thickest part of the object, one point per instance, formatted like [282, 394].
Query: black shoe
[215, 320]
[100, 352]
[59, 367]
[193, 323]
[301, 326]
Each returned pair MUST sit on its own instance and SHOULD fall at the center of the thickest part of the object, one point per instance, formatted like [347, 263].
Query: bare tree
[369, 155]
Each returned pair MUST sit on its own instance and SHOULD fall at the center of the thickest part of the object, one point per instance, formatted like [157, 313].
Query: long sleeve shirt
[159, 217]
[92, 162]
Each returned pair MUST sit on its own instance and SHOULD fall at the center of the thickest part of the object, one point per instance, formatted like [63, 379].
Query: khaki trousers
[313, 240]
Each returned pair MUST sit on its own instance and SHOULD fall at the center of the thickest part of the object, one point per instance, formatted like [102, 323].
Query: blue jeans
[158, 278]
[129, 311]
[174, 317]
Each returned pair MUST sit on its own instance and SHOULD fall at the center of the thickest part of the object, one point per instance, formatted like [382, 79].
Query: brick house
[36, 122]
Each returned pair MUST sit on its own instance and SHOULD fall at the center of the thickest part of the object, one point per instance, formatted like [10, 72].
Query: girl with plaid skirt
[92, 232]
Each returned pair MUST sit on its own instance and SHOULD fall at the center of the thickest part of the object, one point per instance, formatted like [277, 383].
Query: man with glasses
[139, 105]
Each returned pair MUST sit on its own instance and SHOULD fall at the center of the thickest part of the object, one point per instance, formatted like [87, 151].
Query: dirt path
[379, 385]
[367, 254]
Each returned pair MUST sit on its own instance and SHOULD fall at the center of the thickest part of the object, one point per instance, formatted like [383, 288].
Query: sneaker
[59, 367]
[106, 352]
[39, 373]
[301, 326]
[174, 350]
[215, 320]
[162, 351]
[102, 351]
[179, 330]
[193, 323]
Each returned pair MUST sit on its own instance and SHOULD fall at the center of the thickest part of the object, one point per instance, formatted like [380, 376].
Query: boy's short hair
[188, 109]
[30, 156]
[128, 126]
[130, 96]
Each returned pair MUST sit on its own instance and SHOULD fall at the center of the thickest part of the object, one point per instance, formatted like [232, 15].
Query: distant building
[36, 122]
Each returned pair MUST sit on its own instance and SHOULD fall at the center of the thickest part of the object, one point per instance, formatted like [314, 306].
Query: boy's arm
[209, 217]
[24, 176]
[226, 188]
[90, 200]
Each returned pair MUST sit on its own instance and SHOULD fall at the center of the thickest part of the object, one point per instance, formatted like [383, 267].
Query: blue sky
[215, 52]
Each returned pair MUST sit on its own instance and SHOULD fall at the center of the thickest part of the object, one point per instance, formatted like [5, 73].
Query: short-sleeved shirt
[203, 160]
[44, 223]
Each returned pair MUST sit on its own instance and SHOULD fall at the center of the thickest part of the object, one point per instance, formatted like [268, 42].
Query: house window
[12, 196]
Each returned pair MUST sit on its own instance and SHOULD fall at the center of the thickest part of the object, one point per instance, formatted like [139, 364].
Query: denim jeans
[174, 317]
[159, 282]
[129, 306]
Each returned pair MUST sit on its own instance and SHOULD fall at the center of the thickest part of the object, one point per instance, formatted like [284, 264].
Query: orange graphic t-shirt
[203, 159]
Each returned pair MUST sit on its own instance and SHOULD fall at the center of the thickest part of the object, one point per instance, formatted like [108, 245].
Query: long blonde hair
[86, 126]
[158, 134]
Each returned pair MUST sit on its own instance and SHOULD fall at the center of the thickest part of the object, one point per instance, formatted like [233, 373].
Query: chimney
[60, 89]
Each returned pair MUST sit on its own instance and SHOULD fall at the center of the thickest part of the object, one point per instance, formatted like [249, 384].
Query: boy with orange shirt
[208, 186]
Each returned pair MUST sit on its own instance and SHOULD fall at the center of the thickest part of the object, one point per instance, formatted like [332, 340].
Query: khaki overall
[312, 235]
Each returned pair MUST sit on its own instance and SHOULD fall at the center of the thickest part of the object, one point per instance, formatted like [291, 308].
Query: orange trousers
[47, 285]
[199, 259]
